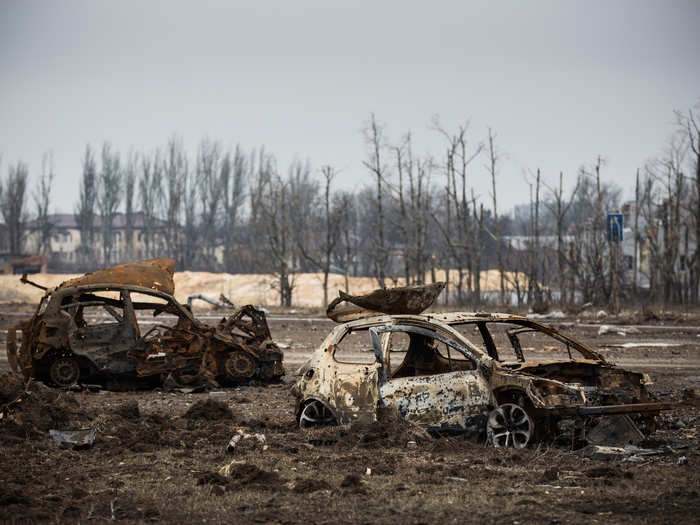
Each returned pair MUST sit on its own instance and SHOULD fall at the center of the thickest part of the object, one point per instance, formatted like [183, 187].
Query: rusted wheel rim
[65, 371]
[315, 414]
[240, 365]
[510, 425]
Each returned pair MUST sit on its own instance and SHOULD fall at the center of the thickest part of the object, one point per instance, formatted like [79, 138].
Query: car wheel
[239, 366]
[315, 414]
[64, 371]
[510, 425]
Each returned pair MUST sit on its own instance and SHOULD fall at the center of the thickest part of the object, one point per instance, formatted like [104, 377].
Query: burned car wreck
[124, 322]
[503, 379]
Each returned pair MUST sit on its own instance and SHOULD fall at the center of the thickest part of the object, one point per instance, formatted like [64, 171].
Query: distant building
[65, 243]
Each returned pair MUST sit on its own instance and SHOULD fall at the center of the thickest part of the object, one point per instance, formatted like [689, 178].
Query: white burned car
[465, 372]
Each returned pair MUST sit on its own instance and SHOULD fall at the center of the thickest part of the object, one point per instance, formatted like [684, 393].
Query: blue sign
[614, 227]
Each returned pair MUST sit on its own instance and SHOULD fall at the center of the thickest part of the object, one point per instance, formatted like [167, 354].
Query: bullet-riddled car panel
[445, 372]
[88, 327]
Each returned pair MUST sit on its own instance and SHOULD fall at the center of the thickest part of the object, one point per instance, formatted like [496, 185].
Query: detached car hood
[399, 300]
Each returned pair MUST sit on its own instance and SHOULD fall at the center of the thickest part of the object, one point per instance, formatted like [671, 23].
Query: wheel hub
[509, 425]
[65, 371]
[240, 365]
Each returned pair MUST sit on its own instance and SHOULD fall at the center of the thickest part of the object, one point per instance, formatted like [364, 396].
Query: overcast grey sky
[559, 81]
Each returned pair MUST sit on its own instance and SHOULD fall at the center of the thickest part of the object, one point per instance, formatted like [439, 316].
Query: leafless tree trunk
[491, 167]
[209, 175]
[274, 213]
[375, 140]
[636, 234]
[322, 256]
[478, 249]
[42, 201]
[150, 190]
[689, 125]
[233, 187]
[129, 186]
[13, 200]
[85, 209]
[176, 173]
[190, 235]
[349, 235]
[559, 209]
[109, 198]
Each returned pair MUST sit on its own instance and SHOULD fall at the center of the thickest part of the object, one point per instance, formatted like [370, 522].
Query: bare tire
[315, 414]
[510, 425]
[64, 371]
[239, 366]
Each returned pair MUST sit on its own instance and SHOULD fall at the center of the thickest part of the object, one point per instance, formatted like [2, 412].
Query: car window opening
[425, 356]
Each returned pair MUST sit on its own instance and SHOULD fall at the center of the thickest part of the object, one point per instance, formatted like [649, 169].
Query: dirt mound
[389, 430]
[129, 411]
[30, 411]
[307, 486]
[209, 409]
[249, 475]
[141, 434]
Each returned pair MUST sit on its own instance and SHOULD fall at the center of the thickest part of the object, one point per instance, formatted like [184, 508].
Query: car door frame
[440, 400]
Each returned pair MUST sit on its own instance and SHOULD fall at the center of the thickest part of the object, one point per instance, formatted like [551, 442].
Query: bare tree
[492, 168]
[150, 191]
[690, 126]
[274, 214]
[209, 175]
[175, 174]
[559, 207]
[129, 185]
[344, 202]
[375, 140]
[13, 200]
[85, 209]
[458, 218]
[188, 252]
[321, 255]
[42, 201]
[233, 175]
[109, 198]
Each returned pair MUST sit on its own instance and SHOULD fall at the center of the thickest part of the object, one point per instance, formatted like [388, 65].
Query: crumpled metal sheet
[77, 439]
[398, 300]
[156, 274]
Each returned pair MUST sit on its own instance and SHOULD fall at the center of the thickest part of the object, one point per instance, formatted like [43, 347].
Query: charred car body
[463, 372]
[89, 327]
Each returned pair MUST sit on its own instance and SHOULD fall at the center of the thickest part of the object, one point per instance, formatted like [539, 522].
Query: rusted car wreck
[98, 326]
[504, 379]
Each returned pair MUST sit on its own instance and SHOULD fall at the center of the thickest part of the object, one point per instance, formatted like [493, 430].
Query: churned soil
[158, 456]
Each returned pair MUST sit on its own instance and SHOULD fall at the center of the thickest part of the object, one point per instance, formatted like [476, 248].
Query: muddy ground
[157, 455]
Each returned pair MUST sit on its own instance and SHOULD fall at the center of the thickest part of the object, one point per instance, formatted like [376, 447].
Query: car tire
[510, 425]
[315, 414]
[64, 371]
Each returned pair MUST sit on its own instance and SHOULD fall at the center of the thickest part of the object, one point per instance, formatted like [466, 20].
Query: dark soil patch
[209, 409]
[309, 485]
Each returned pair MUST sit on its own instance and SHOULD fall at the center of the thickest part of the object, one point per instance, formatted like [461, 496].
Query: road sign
[614, 227]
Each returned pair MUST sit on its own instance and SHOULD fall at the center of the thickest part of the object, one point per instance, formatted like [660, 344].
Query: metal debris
[75, 439]
[466, 372]
[88, 327]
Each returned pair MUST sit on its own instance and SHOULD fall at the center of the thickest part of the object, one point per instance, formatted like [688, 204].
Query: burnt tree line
[417, 220]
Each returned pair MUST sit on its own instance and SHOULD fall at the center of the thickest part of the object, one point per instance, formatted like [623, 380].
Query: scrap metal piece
[75, 439]
[156, 274]
[399, 300]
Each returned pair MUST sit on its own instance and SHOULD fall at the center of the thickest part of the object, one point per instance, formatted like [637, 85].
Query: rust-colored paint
[57, 337]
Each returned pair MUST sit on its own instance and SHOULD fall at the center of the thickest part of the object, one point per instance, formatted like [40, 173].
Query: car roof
[445, 318]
